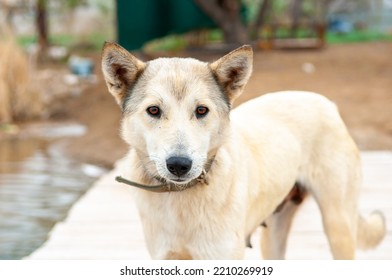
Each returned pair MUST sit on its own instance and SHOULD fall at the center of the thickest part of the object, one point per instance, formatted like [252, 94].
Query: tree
[265, 7]
[41, 21]
[226, 14]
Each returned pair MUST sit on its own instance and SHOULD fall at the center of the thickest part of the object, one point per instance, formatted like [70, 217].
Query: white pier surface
[104, 223]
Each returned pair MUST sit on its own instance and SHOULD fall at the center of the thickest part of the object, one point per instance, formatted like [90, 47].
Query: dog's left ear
[233, 71]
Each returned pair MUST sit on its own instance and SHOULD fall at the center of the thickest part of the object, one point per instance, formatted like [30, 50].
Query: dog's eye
[154, 111]
[201, 111]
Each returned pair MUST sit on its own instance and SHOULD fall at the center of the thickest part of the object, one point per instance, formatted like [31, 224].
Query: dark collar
[169, 186]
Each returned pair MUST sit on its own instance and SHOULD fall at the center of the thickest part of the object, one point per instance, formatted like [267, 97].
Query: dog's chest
[183, 226]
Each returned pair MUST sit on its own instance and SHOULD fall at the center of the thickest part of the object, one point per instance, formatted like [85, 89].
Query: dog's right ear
[120, 70]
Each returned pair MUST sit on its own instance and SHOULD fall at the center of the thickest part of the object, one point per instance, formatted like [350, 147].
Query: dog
[208, 175]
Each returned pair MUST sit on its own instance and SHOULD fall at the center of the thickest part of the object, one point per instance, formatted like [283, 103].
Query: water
[38, 185]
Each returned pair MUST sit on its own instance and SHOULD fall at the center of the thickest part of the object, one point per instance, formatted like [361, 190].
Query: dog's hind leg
[340, 229]
[335, 189]
[277, 226]
[346, 230]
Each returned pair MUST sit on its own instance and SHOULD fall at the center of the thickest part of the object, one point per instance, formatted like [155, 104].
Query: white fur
[269, 144]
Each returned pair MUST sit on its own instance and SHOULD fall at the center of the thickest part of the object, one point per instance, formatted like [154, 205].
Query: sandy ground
[357, 77]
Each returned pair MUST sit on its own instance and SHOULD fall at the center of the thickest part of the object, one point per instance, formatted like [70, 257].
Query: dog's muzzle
[178, 165]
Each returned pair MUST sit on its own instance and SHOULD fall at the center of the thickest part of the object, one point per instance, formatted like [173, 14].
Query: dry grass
[20, 97]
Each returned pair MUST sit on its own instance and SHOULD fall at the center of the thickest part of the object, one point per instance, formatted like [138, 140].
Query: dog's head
[175, 110]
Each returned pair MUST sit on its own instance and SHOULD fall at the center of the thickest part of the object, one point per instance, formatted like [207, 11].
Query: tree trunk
[296, 11]
[265, 7]
[42, 24]
[226, 14]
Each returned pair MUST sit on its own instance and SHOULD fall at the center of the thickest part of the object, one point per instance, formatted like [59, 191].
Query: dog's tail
[371, 230]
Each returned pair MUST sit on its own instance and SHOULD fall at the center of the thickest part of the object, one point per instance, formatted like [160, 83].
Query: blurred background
[59, 125]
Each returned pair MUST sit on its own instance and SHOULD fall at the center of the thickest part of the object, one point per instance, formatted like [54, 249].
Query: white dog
[207, 176]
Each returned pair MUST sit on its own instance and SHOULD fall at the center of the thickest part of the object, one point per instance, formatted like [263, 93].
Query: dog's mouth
[179, 181]
[182, 183]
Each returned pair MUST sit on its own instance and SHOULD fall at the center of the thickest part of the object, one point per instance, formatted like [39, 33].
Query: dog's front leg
[179, 255]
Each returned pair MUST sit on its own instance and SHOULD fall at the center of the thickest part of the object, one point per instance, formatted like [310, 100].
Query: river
[38, 185]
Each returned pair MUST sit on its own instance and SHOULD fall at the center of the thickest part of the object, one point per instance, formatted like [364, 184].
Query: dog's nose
[178, 165]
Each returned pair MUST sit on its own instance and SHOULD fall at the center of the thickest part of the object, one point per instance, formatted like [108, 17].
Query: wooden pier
[104, 223]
